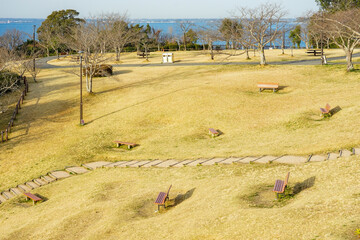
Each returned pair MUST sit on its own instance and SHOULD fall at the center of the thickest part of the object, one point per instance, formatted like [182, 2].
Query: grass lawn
[168, 110]
[214, 202]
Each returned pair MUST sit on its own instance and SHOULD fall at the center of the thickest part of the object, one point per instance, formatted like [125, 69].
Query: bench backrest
[168, 191]
[327, 107]
[287, 178]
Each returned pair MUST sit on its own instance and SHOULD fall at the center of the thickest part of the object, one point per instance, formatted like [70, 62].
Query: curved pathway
[43, 63]
[71, 171]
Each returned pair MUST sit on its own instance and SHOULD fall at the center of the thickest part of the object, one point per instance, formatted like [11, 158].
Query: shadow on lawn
[299, 187]
[181, 197]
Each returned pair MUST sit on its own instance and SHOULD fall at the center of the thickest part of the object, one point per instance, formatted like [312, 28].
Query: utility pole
[34, 48]
[82, 123]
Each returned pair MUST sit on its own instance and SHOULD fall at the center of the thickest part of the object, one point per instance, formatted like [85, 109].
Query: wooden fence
[5, 134]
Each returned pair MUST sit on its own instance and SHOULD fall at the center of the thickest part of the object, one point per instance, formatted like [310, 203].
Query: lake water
[166, 25]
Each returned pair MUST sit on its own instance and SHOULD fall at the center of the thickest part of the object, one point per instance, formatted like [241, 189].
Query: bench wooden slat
[280, 185]
[263, 86]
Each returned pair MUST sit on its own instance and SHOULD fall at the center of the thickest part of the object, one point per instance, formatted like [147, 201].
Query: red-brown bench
[326, 110]
[213, 132]
[280, 185]
[130, 145]
[263, 86]
[33, 197]
[162, 198]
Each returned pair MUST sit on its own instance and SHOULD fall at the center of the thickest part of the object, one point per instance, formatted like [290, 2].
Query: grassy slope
[167, 110]
[118, 204]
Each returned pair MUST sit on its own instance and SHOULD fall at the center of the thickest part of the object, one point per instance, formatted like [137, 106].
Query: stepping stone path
[212, 161]
[291, 160]
[16, 191]
[346, 153]
[32, 185]
[95, 165]
[76, 170]
[59, 174]
[69, 171]
[317, 158]
[40, 182]
[332, 156]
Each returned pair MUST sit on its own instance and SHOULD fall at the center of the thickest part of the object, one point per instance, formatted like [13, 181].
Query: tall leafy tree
[57, 27]
[295, 36]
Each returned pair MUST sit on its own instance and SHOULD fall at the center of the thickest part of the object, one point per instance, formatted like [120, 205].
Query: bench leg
[118, 144]
[129, 146]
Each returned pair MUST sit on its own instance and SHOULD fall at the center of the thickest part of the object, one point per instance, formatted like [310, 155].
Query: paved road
[42, 63]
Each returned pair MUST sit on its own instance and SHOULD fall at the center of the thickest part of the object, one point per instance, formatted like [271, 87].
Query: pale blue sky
[144, 8]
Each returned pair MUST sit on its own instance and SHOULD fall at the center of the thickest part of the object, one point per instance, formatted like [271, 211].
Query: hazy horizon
[144, 9]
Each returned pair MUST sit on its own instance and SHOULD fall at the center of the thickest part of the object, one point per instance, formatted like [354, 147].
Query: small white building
[168, 58]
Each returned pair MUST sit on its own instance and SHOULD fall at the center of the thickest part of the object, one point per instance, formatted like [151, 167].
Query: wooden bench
[162, 198]
[326, 110]
[143, 54]
[130, 145]
[213, 132]
[263, 86]
[280, 185]
[313, 52]
[32, 197]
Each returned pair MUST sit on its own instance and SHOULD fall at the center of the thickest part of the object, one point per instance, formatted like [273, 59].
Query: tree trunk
[146, 53]
[57, 53]
[48, 52]
[211, 50]
[350, 65]
[184, 42]
[262, 55]
[247, 54]
[159, 47]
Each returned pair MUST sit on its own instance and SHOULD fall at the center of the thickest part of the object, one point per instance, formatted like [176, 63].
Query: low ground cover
[168, 110]
[206, 202]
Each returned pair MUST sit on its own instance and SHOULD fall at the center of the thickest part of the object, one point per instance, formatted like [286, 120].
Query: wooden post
[2, 136]
[6, 135]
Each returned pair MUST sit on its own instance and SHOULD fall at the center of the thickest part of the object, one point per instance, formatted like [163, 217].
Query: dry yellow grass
[167, 110]
[212, 203]
[204, 56]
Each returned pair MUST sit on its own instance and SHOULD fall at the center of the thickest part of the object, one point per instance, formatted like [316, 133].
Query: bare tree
[185, 26]
[208, 35]
[87, 38]
[343, 28]
[263, 24]
[33, 71]
[156, 34]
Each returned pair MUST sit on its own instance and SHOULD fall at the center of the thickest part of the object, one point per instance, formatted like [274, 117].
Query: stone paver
[356, 151]
[152, 163]
[181, 163]
[265, 159]
[333, 156]
[127, 164]
[47, 179]
[114, 164]
[317, 158]
[94, 165]
[24, 188]
[8, 195]
[2, 199]
[248, 159]
[346, 153]
[229, 160]
[76, 170]
[40, 182]
[196, 162]
[213, 161]
[167, 163]
[291, 160]
[59, 174]
[16, 191]
[32, 185]
[139, 164]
